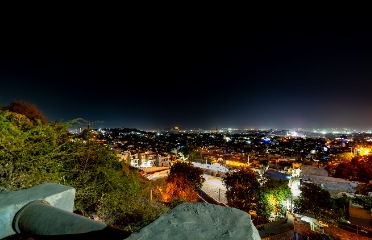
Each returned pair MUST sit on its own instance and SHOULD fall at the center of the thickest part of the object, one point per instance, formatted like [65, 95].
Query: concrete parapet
[56, 195]
[40, 218]
[46, 211]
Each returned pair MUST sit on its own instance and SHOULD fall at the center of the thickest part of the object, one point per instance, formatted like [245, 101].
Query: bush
[32, 153]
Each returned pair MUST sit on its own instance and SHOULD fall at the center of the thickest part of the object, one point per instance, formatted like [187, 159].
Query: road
[213, 186]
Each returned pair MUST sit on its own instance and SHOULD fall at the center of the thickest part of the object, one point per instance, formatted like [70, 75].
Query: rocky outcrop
[200, 221]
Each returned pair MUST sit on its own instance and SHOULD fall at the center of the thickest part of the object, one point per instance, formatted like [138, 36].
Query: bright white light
[294, 185]
[296, 192]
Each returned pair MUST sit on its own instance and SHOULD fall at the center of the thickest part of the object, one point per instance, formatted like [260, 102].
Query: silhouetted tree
[313, 199]
[242, 188]
[30, 110]
[317, 201]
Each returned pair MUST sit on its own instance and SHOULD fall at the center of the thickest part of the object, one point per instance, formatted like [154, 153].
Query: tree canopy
[272, 198]
[317, 201]
[313, 199]
[358, 169]
[262, 201]
[242, 188]
[30, 110]
[183, 182]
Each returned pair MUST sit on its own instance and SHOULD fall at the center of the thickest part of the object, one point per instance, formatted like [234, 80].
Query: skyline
[268, 75]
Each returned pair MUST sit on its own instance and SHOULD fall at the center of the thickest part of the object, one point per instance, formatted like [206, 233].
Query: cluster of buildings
[145, 160]
[296, 158]
[254, 147]
[269, 152]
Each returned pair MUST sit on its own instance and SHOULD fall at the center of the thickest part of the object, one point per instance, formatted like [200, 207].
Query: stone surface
[11, 202]
[43, 219]
[200, 221]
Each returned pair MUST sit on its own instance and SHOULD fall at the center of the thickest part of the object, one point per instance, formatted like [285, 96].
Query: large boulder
[200, 221]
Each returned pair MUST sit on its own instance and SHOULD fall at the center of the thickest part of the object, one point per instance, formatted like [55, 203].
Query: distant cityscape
[296, 132]
[267, 144]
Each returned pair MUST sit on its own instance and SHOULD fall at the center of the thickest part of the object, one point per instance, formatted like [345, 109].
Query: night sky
[160, 72]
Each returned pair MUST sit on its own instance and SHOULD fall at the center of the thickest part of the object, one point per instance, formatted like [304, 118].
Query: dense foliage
[317, 201]
[364, 189]
[358, 169]
[263, 201]
[364, 201]
[30, 110]
[183, 182]
[33, 152]
[192, 152]
[272, 198]
[242, 188]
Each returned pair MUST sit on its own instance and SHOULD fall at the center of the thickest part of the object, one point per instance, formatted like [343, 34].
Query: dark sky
[155, 72]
